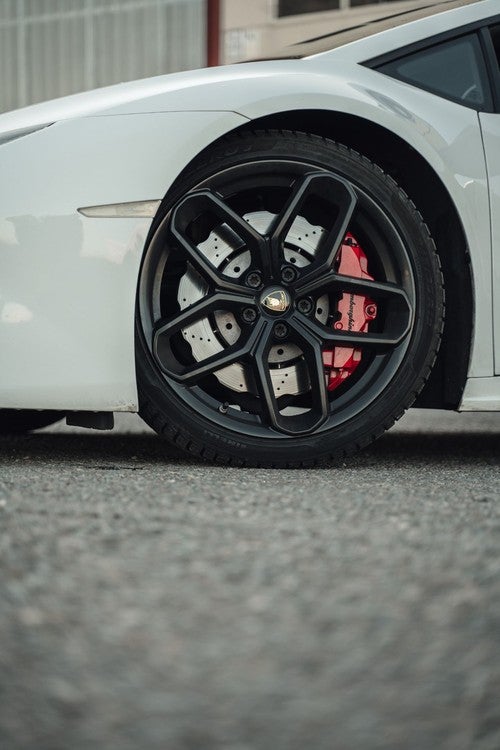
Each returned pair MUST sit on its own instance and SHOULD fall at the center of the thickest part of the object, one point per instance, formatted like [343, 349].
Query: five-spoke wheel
[290, 303]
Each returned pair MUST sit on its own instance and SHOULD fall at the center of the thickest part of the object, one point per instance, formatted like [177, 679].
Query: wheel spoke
[166, 330]
[308, 421]
[262, 374]
[325, 187]
[336, 282]
[397, 328]
[395, 300]
[202, 308]
[206, 202]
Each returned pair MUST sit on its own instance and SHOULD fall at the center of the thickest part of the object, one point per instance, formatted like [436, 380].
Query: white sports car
[270, 261]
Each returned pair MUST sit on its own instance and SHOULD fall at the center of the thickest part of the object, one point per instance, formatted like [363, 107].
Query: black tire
[16, 422]
[339, 196]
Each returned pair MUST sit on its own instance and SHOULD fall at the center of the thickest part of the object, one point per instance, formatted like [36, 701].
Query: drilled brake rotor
[224, 249]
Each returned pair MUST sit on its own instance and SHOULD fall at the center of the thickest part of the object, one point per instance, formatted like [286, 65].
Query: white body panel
[448, 137]
[481, 394]
[490, 125]
[68, 283]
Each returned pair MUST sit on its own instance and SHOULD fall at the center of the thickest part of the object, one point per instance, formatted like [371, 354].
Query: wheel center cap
[276, 301]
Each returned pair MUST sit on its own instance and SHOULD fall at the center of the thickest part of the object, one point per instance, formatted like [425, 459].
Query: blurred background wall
[50, 48]
[256, 28]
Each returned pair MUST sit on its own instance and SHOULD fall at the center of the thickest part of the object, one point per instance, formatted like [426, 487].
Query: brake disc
[225, 250]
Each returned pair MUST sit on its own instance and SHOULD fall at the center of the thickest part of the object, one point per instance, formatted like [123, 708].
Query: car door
[490, 127]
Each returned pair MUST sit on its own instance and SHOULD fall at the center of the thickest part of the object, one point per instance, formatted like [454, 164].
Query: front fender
[68, 282]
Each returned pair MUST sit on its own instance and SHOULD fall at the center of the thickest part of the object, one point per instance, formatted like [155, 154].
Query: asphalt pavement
[149, 601]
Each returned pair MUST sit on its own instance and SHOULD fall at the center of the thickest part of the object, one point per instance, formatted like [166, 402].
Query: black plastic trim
[477, 28]
[492, 64]
[93, 420]
[430, 41]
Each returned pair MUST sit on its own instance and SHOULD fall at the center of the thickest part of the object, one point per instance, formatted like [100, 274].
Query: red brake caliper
[354, 313]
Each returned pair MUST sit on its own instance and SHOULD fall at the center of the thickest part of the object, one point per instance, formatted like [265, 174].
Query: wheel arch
[422, 184]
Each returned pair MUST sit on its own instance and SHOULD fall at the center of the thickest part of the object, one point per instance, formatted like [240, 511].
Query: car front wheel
[290, 303]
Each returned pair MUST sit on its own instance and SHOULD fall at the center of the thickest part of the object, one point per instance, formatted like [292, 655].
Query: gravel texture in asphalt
[152, 602]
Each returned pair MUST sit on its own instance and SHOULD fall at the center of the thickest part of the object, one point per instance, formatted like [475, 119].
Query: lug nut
[280, 330]
[288, 274]
[253, 280]
[249, 315]
[305, 305]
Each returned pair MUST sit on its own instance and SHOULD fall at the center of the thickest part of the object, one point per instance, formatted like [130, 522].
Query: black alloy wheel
[290, 303]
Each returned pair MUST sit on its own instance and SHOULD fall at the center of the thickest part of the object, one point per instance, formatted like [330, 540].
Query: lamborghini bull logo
[277, 301]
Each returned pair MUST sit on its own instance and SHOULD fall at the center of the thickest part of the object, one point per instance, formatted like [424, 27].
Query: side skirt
[481, 394]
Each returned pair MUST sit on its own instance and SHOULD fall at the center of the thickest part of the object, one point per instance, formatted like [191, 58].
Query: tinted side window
[454, 70]
[495, 36]
[295, 7]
